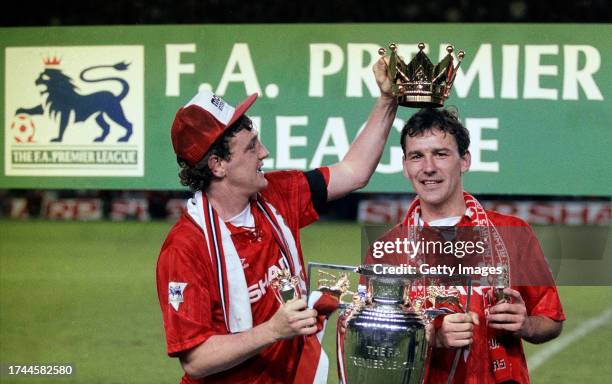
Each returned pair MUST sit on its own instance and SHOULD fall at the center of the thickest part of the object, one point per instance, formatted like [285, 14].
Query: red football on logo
[23, 129]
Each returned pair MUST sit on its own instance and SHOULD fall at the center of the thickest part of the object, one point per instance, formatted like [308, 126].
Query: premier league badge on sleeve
[175, 294]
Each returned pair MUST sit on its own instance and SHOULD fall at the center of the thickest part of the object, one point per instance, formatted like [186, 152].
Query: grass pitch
[85, 293]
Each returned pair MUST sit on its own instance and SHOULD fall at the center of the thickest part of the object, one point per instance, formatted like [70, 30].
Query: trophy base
[419, 101]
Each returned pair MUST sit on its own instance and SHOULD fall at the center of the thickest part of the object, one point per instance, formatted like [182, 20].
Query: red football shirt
[528, 269]
[184, 259]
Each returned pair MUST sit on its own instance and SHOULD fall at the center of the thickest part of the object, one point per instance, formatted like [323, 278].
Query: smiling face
[433, 165]
[243, 171]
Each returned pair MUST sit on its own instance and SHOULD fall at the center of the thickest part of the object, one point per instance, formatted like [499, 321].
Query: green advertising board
[91, 107]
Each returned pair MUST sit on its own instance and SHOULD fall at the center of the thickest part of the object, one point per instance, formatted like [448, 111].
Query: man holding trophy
[230, 275]
[477, 340]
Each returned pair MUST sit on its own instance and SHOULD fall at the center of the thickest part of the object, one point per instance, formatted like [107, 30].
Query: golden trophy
[419, 83]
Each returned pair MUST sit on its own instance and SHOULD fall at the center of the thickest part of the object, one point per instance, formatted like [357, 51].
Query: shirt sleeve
[543, 301]
[317, 184]
[537, 286]
[298, 193]
[184, 299]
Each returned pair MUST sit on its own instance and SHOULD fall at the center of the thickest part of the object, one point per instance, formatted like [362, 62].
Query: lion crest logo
[62, 100]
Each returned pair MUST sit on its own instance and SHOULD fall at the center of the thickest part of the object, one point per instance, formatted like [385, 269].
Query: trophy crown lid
[419, 83]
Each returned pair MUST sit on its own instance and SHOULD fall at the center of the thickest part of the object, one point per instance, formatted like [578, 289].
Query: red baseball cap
[201, 122]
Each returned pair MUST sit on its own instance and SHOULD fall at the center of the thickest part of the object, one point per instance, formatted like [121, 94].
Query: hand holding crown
[382, 77]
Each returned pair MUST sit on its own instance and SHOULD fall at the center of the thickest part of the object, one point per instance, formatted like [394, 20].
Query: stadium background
[77, 266]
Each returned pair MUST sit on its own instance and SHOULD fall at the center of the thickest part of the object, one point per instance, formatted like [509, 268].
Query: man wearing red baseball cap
[221, 316]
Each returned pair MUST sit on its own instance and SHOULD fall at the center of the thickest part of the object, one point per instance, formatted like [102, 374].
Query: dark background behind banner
[74, 12]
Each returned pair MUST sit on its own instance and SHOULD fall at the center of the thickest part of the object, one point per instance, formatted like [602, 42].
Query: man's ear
[216, 166]
[466, 161]
[404, 170]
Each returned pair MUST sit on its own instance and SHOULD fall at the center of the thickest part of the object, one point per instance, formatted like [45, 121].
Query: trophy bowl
[381, 338]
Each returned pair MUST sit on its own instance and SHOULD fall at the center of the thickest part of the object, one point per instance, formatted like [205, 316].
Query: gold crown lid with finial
[419, 83]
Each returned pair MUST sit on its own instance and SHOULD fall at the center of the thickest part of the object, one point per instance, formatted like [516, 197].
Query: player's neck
[226, 202]
[450, 208]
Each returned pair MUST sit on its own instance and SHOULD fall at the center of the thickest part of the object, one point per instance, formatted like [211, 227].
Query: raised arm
[355, 169]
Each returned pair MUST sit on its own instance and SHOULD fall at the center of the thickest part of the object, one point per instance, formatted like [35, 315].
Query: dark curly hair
[199, 177]
[427, 119]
